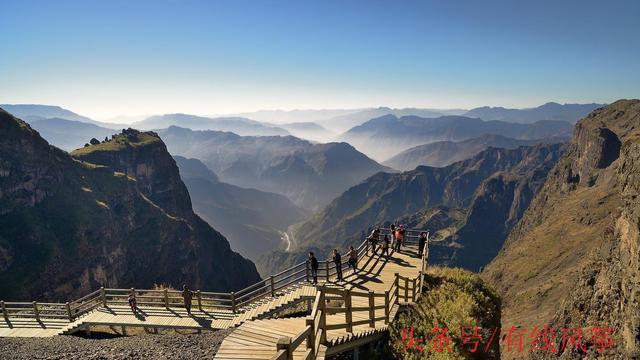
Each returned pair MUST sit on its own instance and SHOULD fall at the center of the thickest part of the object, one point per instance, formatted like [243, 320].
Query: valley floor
[145, 346]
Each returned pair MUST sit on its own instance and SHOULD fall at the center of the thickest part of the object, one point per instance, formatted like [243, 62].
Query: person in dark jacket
[353, 258]
[132, 302]
[187, 296]
[337, 260]
[313, 264]
[385, 246]
[422, 241]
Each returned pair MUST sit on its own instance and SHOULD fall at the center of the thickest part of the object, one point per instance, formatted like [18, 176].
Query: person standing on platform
[313, 264]
[187, 296]
[337, 260]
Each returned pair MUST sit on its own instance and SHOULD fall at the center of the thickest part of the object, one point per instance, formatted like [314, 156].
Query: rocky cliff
[573, 259]
[68, 226]
[471, 205]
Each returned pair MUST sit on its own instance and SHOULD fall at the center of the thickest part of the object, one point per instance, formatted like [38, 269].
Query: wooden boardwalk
[156, 317]
[343, 314]
[365, 293]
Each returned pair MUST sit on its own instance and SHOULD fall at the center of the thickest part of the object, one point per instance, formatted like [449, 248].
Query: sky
[109, 58]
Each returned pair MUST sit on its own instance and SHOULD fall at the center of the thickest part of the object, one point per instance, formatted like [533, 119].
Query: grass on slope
[452, 298]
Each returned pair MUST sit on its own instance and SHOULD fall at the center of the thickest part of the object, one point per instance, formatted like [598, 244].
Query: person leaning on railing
[353, 258]
[373, 239]
[422, 242]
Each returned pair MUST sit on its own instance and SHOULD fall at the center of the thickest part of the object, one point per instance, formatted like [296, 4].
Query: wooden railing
[403, 290]
[233, 301]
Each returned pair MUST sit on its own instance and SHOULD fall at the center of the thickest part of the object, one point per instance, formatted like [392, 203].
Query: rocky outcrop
[68, 226]
[573, 259]
[143, 157]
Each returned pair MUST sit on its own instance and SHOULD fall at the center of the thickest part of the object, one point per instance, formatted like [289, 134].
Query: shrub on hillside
[451, 299]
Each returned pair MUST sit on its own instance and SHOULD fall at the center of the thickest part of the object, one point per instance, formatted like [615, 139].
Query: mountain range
[573, 258]
[550, 111]
[69, 134]
[114, 214]
[472, 204]
[340, 120]
[310, 175]
[386, 136]
[34, 112]
[443, 153]
[253, 221]
[310, 131]
[237, 125]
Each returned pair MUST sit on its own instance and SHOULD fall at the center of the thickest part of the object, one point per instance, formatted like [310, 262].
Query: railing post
[406, 289]
[386, 307]
[233, 302]
[306, 270]
[273, 288]
[68, 306]
[35, 310]
[199, 295]
[284, 343]
[347, 314]
[311, 339]
[372, 310]
[413, 292]
[326, 263]
[103, 296]
[397, 287]
[322, 324]
[166, 298]
[4, 311]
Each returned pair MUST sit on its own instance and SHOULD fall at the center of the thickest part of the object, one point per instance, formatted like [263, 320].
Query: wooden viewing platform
[343, 316]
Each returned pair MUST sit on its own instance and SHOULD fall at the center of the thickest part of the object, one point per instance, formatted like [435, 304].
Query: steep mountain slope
[252, 220]
[386, 136]
[69, 134]
[443, 153]
[310, 175]
[573, 258]
[460, 202]
[237, 125]
[549, 111]
[68, 226]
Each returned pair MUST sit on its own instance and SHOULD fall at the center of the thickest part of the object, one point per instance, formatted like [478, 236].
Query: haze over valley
[320, 180]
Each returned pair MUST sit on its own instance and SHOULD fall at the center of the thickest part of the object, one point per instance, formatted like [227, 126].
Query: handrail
[234, 301]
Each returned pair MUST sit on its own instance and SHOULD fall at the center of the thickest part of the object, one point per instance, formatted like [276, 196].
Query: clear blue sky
[104, 58]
